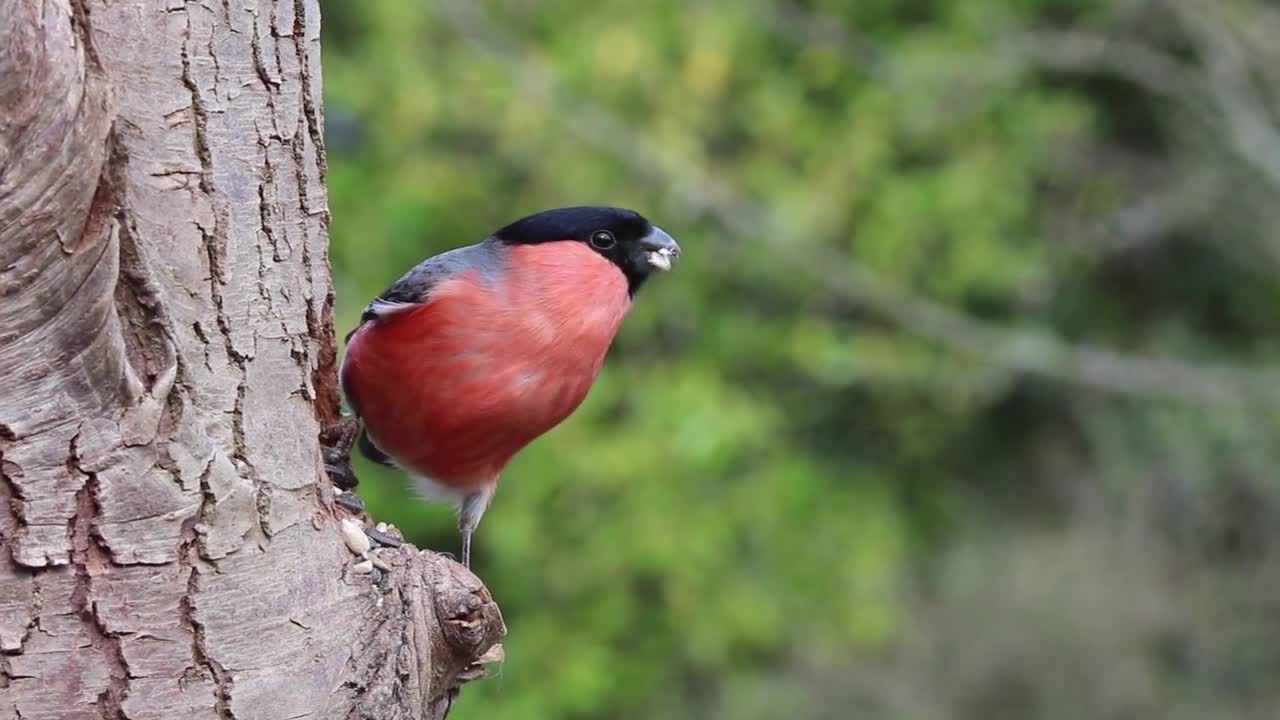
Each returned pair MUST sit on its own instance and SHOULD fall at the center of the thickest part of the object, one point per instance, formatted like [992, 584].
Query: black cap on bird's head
[625, 237]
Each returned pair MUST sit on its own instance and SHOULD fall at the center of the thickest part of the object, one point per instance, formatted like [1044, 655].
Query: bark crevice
[167, 359]
[201, 658]
[90, 557]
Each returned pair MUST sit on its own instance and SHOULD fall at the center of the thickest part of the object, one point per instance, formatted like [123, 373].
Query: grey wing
[414, 287]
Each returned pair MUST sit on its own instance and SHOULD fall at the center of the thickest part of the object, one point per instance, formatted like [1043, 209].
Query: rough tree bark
[170, 546]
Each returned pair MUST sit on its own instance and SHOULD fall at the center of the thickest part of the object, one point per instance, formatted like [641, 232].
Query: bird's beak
[660, 249]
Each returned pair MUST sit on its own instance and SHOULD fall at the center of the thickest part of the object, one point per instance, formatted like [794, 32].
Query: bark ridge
[170, 547]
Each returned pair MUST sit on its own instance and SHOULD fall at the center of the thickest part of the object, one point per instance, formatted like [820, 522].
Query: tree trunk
[169, 546]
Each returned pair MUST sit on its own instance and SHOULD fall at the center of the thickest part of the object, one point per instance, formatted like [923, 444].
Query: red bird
[478, 351]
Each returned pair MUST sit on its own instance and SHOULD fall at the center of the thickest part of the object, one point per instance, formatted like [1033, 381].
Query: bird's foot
[338, 467]
[341, 435]
[335, 447]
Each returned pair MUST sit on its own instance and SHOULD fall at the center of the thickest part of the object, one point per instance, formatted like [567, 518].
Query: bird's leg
[473, 507]
[335, 447]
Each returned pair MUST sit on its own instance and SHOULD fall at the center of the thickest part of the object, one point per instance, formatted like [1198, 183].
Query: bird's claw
[341, 436]
[335, 449]
[337, 465]
[350, 501]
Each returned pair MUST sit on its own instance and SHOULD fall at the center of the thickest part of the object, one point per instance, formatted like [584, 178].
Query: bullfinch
[477, 351]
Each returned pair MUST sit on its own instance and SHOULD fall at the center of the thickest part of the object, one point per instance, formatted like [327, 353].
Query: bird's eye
[602, 240]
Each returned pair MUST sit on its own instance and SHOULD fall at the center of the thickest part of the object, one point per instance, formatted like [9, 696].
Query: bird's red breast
[490, 361]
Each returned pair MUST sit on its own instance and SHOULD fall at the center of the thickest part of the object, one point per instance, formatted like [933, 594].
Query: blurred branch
[1146, 67]
[1018, 351]
[1227, 51]
[805, 29]
[1230, 87]
[1220, 95]
[1159, 214]
[1220, 88]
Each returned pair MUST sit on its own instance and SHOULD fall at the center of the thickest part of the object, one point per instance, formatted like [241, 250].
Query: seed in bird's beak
[661, 249]
[660, 259]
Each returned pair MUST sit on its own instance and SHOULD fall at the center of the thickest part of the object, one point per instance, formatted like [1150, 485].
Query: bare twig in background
[1018, 351]
[1226, 48]
[808, 30]
[1228, 88]
[1081, 51]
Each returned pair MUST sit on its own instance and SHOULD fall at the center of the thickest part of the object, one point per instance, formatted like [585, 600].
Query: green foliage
[782, 460]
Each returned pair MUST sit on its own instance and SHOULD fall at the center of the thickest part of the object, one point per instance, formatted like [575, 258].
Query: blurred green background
[963, 400]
